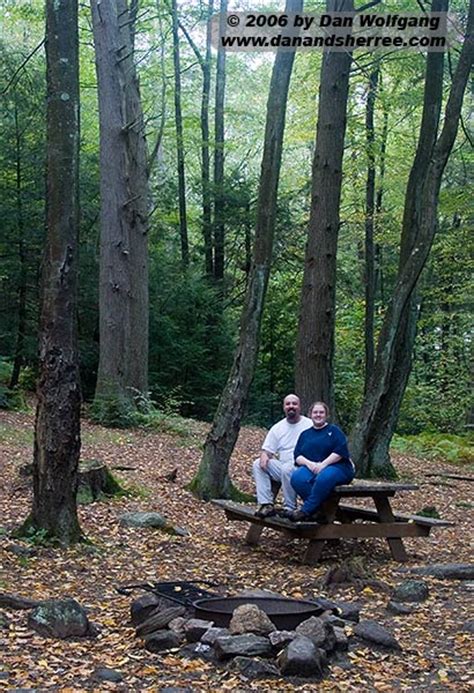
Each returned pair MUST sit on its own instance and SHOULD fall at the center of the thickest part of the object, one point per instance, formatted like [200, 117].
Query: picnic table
[344, 520]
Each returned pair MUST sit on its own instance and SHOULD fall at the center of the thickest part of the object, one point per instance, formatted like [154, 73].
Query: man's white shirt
[282, 437]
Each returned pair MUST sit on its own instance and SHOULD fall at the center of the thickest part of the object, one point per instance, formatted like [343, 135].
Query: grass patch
[12, 435]
[444, 446]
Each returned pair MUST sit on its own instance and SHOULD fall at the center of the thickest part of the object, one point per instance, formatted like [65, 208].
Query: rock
[177, 626]
[349, 611]
[281, 638]
[60, 618]
[302, 658]
[248, 618]
[247, 645]
[211, 635]
[161, 640]
[447, 571]
[105, 674]
[334, 620]
[468, 627]
[159, 619]
[198, 649]
[320, 632]
[377, 634]
[399, 609]
[4, 622]
[141, 608]
[22, 551]
[195, 628]
[411, 591]
[255, 668]
[143, 519]
[342, 641]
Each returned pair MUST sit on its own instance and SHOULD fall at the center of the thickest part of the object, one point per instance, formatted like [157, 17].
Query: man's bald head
[292, 408]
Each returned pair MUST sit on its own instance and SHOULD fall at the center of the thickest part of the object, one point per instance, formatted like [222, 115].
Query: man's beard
[291, 414]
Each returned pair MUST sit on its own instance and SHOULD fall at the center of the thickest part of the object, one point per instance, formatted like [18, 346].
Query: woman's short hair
[321, 404]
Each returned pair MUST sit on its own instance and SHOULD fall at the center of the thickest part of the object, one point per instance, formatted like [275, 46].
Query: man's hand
[265, 458]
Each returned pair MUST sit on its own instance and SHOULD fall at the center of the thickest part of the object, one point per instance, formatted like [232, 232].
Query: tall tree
[379, 412]
[183, 223]
[219, 231]
[123, 296]
[57, 430]
[317, 314]
[369, 223]
[212, 479]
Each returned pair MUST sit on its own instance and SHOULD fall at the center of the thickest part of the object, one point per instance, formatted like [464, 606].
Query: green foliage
[448, 447]
[429, 511]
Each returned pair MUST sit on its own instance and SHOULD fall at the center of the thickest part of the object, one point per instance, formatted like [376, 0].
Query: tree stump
[95, 481]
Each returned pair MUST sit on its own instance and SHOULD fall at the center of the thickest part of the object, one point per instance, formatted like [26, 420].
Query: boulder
[143, 519]
[411, 591]
[247, 645]
[211, 635]
[255, 668]
[161, 640]
[281, 638]
[373, 632]
[399, 609]
[342, 641]
[195, 628]
[106, 674]
[248, 618]
[320, 632]
[302, 658]
[60, 618]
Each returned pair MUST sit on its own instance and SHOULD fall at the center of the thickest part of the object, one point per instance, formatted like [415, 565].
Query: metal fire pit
[286, 614]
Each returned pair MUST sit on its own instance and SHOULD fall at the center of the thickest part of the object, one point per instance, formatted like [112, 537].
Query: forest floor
[436, 650]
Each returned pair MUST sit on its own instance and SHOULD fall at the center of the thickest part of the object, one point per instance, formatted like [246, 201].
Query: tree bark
[219, 231]
[183, 223]
[123, 296]
[376, 421]
[369, 225]
[20, 335]
[212, 479]
[317, 313]
[57, 430]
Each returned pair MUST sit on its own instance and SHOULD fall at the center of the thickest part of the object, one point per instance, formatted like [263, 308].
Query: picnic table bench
[343, 520]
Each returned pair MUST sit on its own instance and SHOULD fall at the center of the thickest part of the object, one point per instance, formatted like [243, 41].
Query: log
[12, 601]
[159, 619]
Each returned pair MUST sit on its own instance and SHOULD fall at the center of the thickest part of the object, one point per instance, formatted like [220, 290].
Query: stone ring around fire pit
[286, 614]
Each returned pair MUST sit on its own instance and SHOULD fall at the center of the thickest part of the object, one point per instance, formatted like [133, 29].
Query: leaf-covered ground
[437, 650]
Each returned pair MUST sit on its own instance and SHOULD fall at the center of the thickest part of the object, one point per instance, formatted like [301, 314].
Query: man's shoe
[285, 513]
[265, 510]
[299, 516]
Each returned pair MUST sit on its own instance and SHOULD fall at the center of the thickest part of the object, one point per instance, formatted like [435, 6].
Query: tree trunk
[369, 225]
[315, 340]
[212, 479]
[123, 298]
[20, 335]
[205, 175]
[377, 418]
[183, 223]
[219, 157]
[57, 431]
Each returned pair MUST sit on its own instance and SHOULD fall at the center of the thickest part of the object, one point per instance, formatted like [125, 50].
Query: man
[276, 459]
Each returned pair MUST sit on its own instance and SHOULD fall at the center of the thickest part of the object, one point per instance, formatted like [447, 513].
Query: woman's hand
[314, 467]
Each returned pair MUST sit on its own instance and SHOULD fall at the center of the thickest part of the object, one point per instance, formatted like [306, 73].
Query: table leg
[384, 509]
[253, 534]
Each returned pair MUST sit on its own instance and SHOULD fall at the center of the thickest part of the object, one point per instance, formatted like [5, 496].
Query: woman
[323, 462]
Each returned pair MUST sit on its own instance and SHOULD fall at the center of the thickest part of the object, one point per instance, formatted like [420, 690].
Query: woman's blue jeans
[315, 488]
